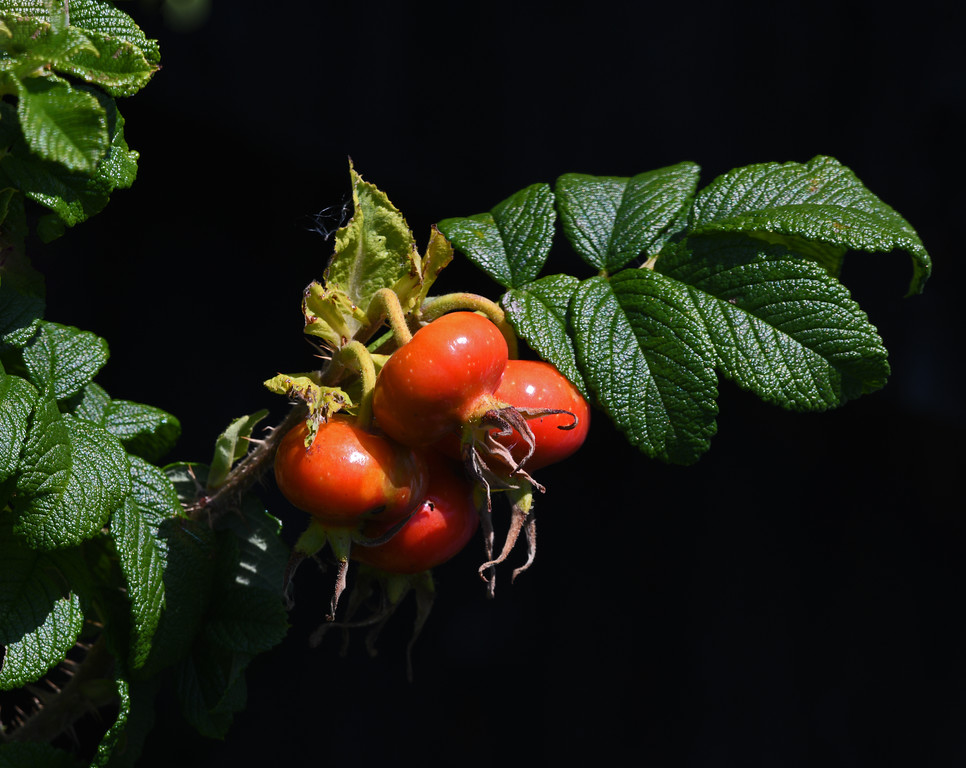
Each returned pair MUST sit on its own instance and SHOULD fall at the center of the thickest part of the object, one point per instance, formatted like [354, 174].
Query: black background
[794, 599]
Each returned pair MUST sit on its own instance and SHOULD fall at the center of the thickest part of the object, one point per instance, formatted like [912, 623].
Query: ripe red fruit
[348, 476]
[442, 379]
[534, 384]
[437, 530]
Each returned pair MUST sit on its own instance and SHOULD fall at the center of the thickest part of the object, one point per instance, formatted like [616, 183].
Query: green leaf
[143, 430]
[62, 124]
[40, 617]
[73, 476]
[97, 16]
[818, 209]
[17, 400]
[511, 242]
[191, 552]
[62, 359]
[122, 745]
[781, 326]
[20, 315]
[71, 196]
[322, 401]
[610, 221]
[119, 67]
[538, 314]
[143, 551]
[103, 18]
[646, 358]
[246, 617]
[374, 250]
[231, 446]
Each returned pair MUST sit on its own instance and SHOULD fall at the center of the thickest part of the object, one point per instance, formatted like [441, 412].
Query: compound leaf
[780, 326]
[62, 359]
[143, 430]
[818, 209]
[511, 242]
[74, 475]
[647, 359]
[610, 221]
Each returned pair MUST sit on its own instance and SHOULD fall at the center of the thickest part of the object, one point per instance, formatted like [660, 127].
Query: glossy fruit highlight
[348, 476]
[442, 525]
[441, 380]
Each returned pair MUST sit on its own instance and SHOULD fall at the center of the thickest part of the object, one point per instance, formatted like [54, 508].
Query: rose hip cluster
[453, 420]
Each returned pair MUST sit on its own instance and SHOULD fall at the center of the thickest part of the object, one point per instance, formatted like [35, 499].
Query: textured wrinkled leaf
[610, 221]
[105, 19]
[17, 400]
[62, 124]
[40, 618]
[20, 315]
[74, 474]
[245, 617]
[97, 16]
[819, 209]
[191, 551]
[119, 67]
[62, 359]
[232, 445]
[143, 430]
[143, 551]
[72, 197]
[375, 250]
[648, 360]
[781, 326]
[512, 241]
[538, 314]
[122, 745]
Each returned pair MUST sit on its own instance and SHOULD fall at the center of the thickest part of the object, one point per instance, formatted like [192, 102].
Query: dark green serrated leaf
[73, 476]
[781, 326]
[40, 617]
[17, 400]
[610, 221]
[63, 124]
[143, 430]
[538, 314]
[246, 616]
[32, 754]
[62, 359]
[136, 531]
[72, 197]
[20, 315]
[511, 242]
[647, 360]
[191, 552]
[211, 687]
[818, 209]
[122, 745]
